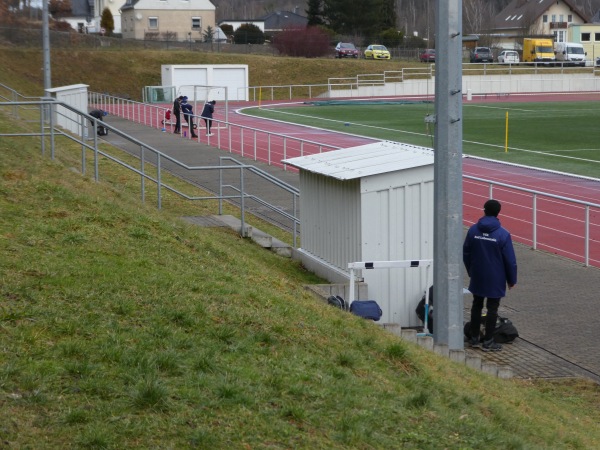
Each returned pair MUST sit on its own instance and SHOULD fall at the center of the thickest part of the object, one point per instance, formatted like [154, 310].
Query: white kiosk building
[369, 203]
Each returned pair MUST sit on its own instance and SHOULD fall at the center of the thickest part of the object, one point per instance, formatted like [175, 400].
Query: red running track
[560, 225]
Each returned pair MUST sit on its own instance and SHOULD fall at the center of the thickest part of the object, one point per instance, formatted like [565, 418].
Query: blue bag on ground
[369, 309]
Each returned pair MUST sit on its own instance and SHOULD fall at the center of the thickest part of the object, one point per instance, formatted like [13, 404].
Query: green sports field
[562, 136]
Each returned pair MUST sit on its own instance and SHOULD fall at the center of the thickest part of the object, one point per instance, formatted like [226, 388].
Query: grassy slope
[122, 327]
[127, 72]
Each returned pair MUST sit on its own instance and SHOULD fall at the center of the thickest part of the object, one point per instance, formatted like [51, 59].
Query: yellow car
[377, 52]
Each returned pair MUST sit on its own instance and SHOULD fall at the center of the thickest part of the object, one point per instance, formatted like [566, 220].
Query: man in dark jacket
[490, 261]
[177, 114]
[188, 115]
[207, 113]
[99, 114]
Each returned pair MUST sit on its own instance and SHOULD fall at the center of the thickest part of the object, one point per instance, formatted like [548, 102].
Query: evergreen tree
[248, 33]
[208, 35]
[314, 13]
[107, 21]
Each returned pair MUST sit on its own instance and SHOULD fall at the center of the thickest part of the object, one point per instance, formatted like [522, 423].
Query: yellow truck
[538, 51]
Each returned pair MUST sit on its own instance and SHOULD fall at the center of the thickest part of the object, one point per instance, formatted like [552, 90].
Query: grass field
[561, 136]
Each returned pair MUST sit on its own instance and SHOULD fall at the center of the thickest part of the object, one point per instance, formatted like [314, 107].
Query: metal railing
[259, 145]
[253, 142]
[561, 220]
[49, 115]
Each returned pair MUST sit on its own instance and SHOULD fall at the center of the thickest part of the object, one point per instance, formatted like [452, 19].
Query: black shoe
[491, 346]
[474, 342]
[194, 135]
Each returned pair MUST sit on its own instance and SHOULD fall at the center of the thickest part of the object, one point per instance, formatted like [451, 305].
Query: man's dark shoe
[474, 342]
[491, 346]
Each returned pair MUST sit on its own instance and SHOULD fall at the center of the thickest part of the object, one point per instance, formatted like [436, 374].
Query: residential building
[179, 20]
[535, 18]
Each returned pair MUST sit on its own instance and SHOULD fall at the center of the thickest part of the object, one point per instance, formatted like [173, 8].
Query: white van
[570, 53]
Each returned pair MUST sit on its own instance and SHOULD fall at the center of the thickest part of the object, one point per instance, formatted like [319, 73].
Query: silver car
[508, 57]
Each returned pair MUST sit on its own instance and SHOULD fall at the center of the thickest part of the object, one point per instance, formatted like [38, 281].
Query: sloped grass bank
[124, 327]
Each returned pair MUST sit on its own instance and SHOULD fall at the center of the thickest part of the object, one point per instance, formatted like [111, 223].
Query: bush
[248, 33]
[308, 42]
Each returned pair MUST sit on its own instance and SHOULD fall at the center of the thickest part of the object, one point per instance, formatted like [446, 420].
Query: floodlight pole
[448, 227]
[46, 45]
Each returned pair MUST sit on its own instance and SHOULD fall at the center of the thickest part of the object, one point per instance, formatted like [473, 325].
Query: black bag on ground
[421, 310]
[505, 332]
[368, 309]
[337, 301]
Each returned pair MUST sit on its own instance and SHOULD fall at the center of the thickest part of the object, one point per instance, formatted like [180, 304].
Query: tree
[248, 33]
[59, 8]
[391, 37]
[107, 21]
[314, 12]
[208, 35]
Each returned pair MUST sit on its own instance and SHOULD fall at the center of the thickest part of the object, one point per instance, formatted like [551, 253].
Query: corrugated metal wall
[330, 218]
[397, 224]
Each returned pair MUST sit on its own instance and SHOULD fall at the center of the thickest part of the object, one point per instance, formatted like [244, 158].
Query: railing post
[269, 147]
[534, 222]
[143, 177]
[242, 203]
[587, 235]
[158, 181]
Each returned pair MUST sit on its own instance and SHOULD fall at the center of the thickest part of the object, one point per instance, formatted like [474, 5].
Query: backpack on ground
[505, 332]
[368, 309]
[420, 310]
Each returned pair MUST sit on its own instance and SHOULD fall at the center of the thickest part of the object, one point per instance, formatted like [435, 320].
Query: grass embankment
[125, 72]
[124, 327]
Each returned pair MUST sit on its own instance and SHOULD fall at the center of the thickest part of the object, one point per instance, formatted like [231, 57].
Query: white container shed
[75, 95]
[369, 203]
[234, 77]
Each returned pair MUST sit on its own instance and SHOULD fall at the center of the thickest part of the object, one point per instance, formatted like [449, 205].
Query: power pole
[448, 226]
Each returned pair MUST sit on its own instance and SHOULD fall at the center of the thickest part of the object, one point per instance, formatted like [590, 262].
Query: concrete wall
[482, 84]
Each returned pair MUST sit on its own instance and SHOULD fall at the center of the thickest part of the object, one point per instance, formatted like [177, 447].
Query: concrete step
[260, 237]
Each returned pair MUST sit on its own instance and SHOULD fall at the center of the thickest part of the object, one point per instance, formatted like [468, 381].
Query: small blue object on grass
[347, 124]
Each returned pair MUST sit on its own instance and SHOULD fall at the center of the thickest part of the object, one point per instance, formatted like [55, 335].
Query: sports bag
[337, 301]
[505, 332]
[420, 310]
[368, 309]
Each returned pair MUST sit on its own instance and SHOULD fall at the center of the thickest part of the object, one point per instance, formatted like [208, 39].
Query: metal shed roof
[365, 160]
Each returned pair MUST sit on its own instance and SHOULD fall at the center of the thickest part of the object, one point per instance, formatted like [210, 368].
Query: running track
[561, 226]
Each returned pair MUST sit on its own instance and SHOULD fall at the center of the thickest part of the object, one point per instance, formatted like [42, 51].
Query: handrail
[534, 223]
[49, 108]
[228, 136]
[251, 146]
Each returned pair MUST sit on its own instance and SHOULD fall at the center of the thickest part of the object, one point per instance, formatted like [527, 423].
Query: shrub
[248, 33]
[308, 42]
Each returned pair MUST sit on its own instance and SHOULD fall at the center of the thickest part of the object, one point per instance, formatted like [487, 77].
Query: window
[553, 18]
[153, 23]
[545, 18]
[597, 37]
[570, 18]
[585, 37]
[196, 23]
[561, 18]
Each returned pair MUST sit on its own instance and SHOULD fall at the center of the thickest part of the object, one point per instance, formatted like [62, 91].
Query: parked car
[346, 50]
[377, 52]
[428, 55]
[508, 57]
[482, 54]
